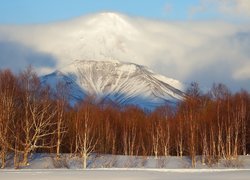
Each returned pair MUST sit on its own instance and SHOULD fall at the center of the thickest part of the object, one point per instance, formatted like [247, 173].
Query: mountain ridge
[121, 83]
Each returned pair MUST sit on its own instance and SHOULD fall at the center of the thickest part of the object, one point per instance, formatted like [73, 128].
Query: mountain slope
[121, 83]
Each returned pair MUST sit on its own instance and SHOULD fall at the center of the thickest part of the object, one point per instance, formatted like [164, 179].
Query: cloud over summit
[188, 51]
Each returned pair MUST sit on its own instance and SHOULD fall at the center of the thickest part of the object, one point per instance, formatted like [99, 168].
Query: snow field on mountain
[117, 82]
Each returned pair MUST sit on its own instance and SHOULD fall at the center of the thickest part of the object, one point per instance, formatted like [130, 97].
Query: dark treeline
[36, 118]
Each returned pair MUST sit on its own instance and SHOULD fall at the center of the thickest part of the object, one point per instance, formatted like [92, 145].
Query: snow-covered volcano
[188, 51]
[120, 83]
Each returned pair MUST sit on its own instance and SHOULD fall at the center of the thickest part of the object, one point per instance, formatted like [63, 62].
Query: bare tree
[165, 138]
[191, 112]
[85, 132]
[129, 138]
[243, 120]
[179, 139]
[8, 88]
[156, 138]
[62, 97]
[38, 112]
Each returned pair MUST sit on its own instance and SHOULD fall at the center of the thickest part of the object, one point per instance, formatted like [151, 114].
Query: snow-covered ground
[131, 174]
[67, 161]
[45, 166]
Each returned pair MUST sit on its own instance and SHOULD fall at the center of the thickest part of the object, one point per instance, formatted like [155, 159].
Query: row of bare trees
[37, 118]
[26, 115]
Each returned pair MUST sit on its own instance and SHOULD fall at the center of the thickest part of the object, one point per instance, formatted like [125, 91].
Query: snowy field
[98, 161]
[131, 174]
[108, 167]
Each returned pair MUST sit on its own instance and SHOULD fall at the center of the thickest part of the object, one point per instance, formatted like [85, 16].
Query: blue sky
[44, 11]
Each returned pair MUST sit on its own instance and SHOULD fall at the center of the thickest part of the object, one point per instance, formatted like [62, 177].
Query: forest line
[38, 118]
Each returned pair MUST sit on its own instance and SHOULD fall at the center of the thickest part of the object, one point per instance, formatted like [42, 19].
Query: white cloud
[232, 8]
[235, 7]
[188, 51]
[243, 73]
